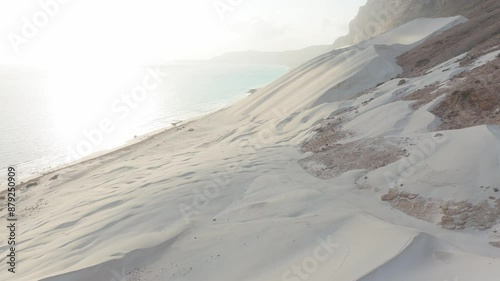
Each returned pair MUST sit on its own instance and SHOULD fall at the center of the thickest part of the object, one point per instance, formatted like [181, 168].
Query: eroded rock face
[461, 215]
[454, 215]
[495, 237]
[473, 99]
[413, 205]
[333, 159]
[379, 16]
[478, 36]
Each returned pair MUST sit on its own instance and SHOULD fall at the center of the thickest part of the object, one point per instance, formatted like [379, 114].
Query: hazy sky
[92, 31]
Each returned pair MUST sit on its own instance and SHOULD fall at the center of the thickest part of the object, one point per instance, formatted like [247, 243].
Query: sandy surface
[225, 198]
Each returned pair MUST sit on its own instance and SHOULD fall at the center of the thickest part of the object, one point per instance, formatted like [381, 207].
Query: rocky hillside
[478, 36]
[376, 17]
[379, 16]
[449, 86]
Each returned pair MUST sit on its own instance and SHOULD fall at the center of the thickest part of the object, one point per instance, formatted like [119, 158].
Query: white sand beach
[232, 196]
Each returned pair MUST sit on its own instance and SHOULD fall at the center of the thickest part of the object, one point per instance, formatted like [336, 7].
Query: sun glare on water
[81, 97]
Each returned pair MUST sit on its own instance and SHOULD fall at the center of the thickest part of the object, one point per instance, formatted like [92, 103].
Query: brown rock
[495, 244]
[389, 196]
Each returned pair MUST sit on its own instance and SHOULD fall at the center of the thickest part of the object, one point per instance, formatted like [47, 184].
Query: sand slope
[228, 200]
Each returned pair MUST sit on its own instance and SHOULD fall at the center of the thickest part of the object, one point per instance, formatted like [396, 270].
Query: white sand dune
[428, 258]
[228, 200]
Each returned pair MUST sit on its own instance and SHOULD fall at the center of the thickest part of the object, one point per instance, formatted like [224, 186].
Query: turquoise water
[52, 117]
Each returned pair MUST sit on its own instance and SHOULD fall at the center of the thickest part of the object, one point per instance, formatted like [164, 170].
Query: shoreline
[34, 165]
[136, 141]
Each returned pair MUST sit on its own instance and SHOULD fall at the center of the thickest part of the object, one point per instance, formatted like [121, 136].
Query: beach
[75, 111]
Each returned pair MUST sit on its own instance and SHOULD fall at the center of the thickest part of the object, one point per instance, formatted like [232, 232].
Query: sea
[56, 115]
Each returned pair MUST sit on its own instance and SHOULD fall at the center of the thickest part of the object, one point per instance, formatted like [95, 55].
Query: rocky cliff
[379, 16]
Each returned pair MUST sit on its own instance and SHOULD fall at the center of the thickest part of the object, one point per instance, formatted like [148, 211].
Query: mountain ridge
[374, 18]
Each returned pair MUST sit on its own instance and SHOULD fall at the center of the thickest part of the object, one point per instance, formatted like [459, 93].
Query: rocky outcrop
[379, 16]
[472, 99]
[454, 215]
[478, 36]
